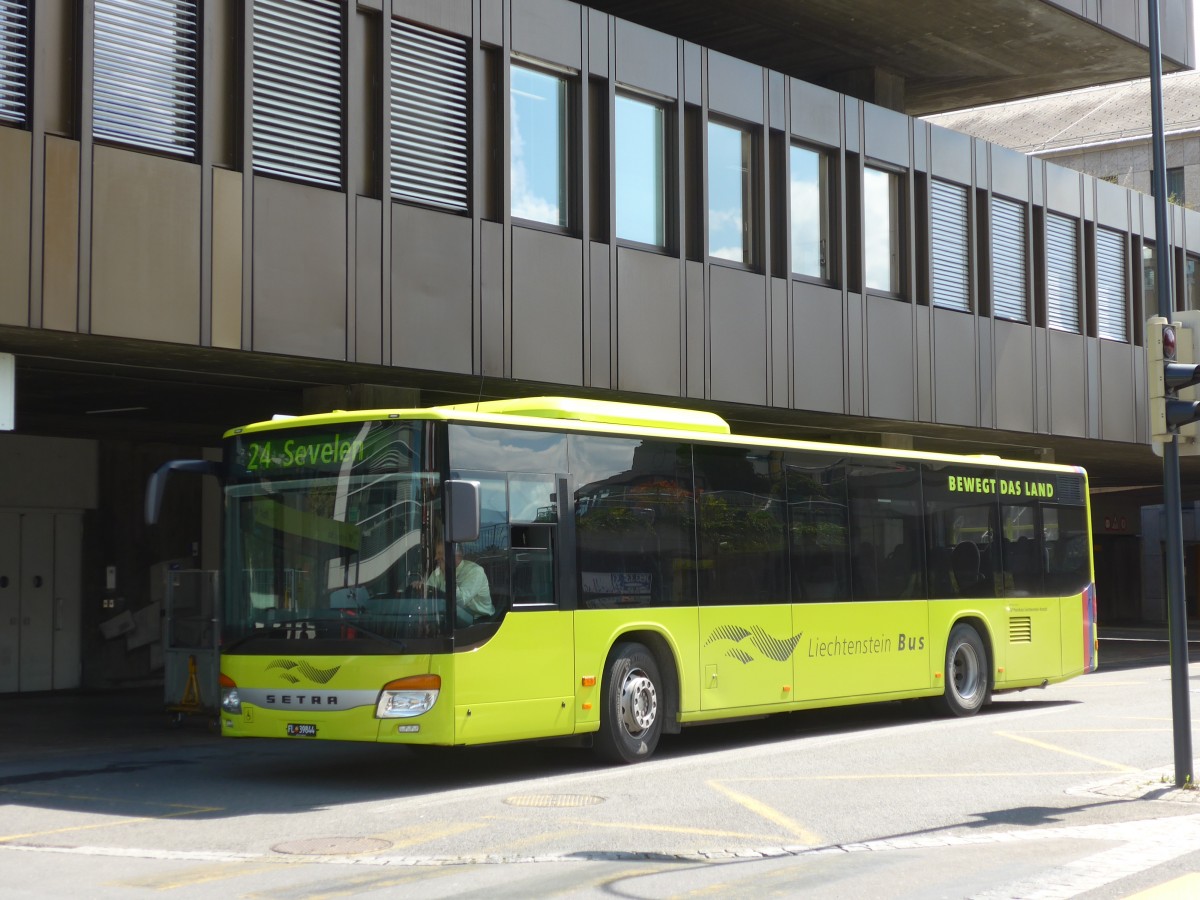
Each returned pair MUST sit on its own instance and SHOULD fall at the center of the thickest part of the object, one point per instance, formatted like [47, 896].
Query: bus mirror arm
[157, 484]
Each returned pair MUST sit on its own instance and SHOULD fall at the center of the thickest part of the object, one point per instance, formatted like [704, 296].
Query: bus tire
[966, 672]
[631, 707]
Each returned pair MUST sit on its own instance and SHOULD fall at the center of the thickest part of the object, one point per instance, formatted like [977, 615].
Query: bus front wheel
[630, 705]
[966, 672]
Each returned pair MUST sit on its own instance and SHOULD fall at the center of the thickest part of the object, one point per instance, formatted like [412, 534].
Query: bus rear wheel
[966, 672]
[630, 705]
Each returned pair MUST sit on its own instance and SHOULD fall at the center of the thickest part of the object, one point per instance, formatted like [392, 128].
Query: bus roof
[612, 417]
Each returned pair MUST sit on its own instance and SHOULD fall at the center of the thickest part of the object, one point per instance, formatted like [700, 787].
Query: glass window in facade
[298, 90]
[539, 169]
[810, 213]
[1009, 279]
[731, 208]
[641, 197]
[429, 127]
[145, 85]
[949, 247]
[1062, 273]
[882, 201]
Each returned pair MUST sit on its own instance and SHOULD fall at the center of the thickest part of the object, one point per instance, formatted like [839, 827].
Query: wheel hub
[639, 702]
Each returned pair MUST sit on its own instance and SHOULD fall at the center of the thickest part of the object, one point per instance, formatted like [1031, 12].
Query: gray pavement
[1048, 794]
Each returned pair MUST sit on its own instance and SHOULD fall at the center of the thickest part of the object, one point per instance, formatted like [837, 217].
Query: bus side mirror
[462, 511]
[157, 484]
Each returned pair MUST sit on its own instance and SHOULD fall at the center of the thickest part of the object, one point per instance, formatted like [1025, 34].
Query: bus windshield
[329, 533]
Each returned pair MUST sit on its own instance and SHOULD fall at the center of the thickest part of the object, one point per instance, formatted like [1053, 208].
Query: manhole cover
[332, 846]
[554, 800]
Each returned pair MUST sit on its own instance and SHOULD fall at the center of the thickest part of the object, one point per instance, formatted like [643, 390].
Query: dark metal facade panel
[16, 168]
[1068, 383]
[955, 369]
[1010, 172]
[368, 281]
[886, 135]
[549, 30]
[547, 307]
[493, 358]
[453, 16]
[696, 346]
[648, 323]
[890, 361]
[1063, 188]
[738, 321]
[1015, 377]
[952, 154]
[816, 113]
[646, 59]
[735, 88]
[299, 270]
[779, 333]
[600, 306]
[818, 349]
[1118, 406]
[431, 291]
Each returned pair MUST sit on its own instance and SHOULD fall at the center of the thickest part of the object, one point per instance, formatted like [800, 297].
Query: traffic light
[1170, 368]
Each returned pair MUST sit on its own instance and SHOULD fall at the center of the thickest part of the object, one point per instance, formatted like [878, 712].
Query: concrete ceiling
[141, 391]
[949, 54]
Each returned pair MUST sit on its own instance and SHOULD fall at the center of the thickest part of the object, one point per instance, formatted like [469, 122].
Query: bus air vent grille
[1070, 489]
[1020, 630]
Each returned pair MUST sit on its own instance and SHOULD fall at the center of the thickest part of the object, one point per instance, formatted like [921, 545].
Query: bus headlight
[407, 697]
[231, 700]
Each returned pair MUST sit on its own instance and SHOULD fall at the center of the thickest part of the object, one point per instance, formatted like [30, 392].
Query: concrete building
[213, 212]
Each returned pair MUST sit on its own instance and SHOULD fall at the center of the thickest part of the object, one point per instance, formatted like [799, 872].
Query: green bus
[621, 571]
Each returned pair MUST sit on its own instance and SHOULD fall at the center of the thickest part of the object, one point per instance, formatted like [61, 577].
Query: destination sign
[310, 451]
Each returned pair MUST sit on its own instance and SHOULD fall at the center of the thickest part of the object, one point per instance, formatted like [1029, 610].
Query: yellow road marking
[1120, 767]
[767, 812]
[130, 821]
[202, 876]
[410, 837]
[671, 829]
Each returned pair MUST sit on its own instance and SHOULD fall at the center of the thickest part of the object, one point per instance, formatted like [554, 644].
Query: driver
[473, 598]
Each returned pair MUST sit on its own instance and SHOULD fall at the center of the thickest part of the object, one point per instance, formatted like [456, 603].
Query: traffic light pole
[1172, 507]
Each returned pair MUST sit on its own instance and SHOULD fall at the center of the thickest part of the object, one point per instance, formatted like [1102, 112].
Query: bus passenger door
[516, 680]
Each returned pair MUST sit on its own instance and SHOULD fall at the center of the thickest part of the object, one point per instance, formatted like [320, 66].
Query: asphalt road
[1061, 792]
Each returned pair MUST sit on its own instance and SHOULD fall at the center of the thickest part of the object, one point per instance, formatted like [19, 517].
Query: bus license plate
[302, 730]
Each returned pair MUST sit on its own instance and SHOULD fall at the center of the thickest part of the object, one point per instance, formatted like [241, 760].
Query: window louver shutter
[144, 90]
[298, 76]
[429, 133]
[948, 229]
[14, 60]
[1111, 285]
[1062, 273]
[1009, 291]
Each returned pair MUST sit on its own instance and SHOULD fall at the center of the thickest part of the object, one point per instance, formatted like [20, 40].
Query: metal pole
[1172, 508]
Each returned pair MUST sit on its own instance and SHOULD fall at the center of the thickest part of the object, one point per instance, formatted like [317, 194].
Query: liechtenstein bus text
[627, 571]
